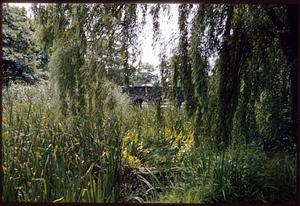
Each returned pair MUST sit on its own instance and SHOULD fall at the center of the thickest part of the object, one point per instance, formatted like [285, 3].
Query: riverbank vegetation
[73, 136]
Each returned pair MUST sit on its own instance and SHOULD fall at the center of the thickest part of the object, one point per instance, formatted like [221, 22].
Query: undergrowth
[49, 158]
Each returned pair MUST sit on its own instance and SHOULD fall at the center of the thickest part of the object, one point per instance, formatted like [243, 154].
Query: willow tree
[207, 25]
[265, 102]
[129, 41]
[97, 38]
[184, 61]
[251, 85]
[66, 29]
[233, 55]
[200, 74]
[174, 68]
[286, 22]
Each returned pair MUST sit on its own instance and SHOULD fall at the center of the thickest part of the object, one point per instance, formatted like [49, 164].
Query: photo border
[296, 96]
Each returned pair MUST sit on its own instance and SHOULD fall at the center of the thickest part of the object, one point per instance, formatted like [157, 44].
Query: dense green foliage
[76, 137]
[48, 159]
[21, 53]
[17, 42]
[248, 83]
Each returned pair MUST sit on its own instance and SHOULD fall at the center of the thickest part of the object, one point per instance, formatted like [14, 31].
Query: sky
[169, 28]
[169, 34]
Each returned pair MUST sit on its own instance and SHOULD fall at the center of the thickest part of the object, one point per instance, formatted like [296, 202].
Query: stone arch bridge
[151, 94]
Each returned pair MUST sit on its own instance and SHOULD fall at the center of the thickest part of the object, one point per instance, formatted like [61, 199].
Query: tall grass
[54, 159]
[47, 158]
[240, 174]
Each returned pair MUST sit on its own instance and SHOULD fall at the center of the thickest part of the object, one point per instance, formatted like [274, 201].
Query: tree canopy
[246, 95]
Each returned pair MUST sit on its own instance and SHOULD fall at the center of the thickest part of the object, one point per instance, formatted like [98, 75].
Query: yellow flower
[133, 161]
[130, 138]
